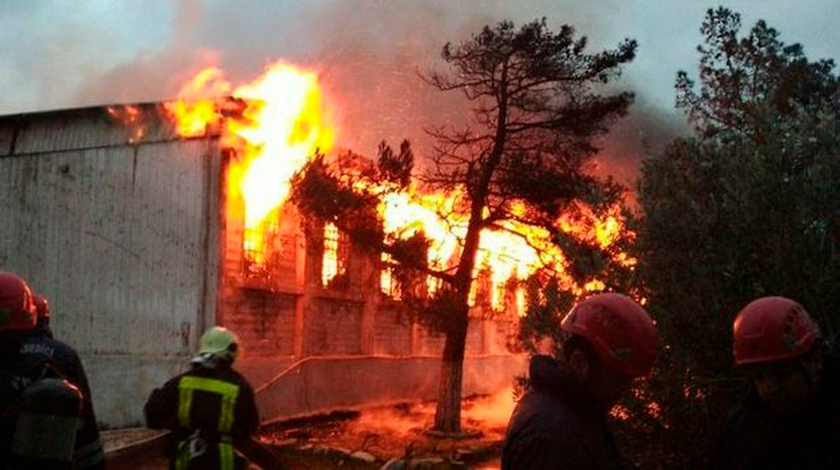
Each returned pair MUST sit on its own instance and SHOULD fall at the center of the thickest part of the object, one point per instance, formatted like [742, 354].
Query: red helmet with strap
[772, 329]
[620, 330]
[17, 305]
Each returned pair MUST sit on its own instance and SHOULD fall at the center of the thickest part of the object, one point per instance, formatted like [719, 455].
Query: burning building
[145, 224]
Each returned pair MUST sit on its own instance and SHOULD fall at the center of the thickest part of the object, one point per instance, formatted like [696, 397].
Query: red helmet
[17, 305]
[621, 331]
[772, 328]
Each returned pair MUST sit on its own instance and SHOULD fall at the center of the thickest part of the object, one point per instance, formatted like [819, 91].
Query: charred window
[258, 244]
[334, 263]
[388, 281]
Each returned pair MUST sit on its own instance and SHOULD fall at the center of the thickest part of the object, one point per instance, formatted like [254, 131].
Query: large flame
[279, 124]
[276, 123]
[508, 253]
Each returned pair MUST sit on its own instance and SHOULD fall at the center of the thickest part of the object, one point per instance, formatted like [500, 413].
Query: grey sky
[58, 54]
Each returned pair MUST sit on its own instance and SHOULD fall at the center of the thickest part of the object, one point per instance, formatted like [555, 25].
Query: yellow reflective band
[229, 392]
[184, 405]
[182, 456]
[226, 456]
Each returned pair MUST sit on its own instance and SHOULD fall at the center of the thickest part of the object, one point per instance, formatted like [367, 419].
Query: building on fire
[133, 235]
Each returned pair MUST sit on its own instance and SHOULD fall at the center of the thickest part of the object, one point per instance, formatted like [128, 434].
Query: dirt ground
[344, 439]
[395, 431]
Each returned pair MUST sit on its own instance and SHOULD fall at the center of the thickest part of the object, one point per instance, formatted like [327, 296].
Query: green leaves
[743, 78]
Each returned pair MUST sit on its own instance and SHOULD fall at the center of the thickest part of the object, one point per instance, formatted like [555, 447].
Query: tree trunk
[448, 410]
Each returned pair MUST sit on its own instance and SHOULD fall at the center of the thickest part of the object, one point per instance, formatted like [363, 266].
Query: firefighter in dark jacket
[210, 409]
[41, 348]
[17, 319]
[561, 420]
[40, 411]
[791, 416]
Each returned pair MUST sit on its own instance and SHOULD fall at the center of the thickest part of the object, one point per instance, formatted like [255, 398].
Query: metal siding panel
[115, 238]
[7, 135]
[55, 133]
[87, 128]
[169, 230]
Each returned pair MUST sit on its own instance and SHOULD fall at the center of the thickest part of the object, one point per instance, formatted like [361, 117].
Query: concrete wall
[392, 331]
[308, 386]
[119, 237]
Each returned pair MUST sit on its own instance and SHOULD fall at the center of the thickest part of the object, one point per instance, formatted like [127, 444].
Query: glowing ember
[133, 119]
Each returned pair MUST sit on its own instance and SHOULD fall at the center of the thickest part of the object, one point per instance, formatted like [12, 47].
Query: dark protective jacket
[15, 376]
[558, 424]
[757, 438]
[40, 348]
[209, 411]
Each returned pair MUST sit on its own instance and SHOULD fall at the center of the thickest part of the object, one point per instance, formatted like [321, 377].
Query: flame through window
[334, 263]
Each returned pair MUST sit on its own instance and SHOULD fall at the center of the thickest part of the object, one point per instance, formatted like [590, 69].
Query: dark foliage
[749, 207]
[538, 104]
[330, 194]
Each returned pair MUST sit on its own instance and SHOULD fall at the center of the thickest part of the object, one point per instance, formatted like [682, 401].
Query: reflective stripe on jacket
[228, 393]
[208, 411]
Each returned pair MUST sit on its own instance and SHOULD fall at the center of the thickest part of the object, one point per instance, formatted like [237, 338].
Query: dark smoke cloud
[367, 51]
[643, 132]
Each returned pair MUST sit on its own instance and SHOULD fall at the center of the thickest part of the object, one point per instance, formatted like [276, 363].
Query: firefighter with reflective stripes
[209, 409]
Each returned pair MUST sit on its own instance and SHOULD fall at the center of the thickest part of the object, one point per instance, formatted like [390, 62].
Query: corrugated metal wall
[116, 237]
[122, 239]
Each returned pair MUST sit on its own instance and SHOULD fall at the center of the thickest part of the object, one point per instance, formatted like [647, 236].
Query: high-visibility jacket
[208, 411]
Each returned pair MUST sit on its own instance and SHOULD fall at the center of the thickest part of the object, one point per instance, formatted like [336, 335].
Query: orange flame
[198, 101]
[510, 252]
[280, 124]
[132, 118]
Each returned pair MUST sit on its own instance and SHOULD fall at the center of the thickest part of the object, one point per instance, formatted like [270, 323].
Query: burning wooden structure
[136, 235]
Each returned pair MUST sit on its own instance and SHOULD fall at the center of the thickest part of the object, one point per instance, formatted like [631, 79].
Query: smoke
[154, 76]
[643, 132]
[369, 55]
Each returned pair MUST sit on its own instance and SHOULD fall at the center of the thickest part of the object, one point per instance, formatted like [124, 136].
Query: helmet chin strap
[211, 360]
[206, 360]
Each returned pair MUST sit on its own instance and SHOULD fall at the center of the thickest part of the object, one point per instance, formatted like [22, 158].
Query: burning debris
[385, 434]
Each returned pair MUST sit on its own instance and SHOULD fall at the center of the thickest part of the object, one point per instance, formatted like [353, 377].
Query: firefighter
[17, 319]
[40, 413]
[791, 416]
[41, 348]
[561, 420]
[210, 409]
